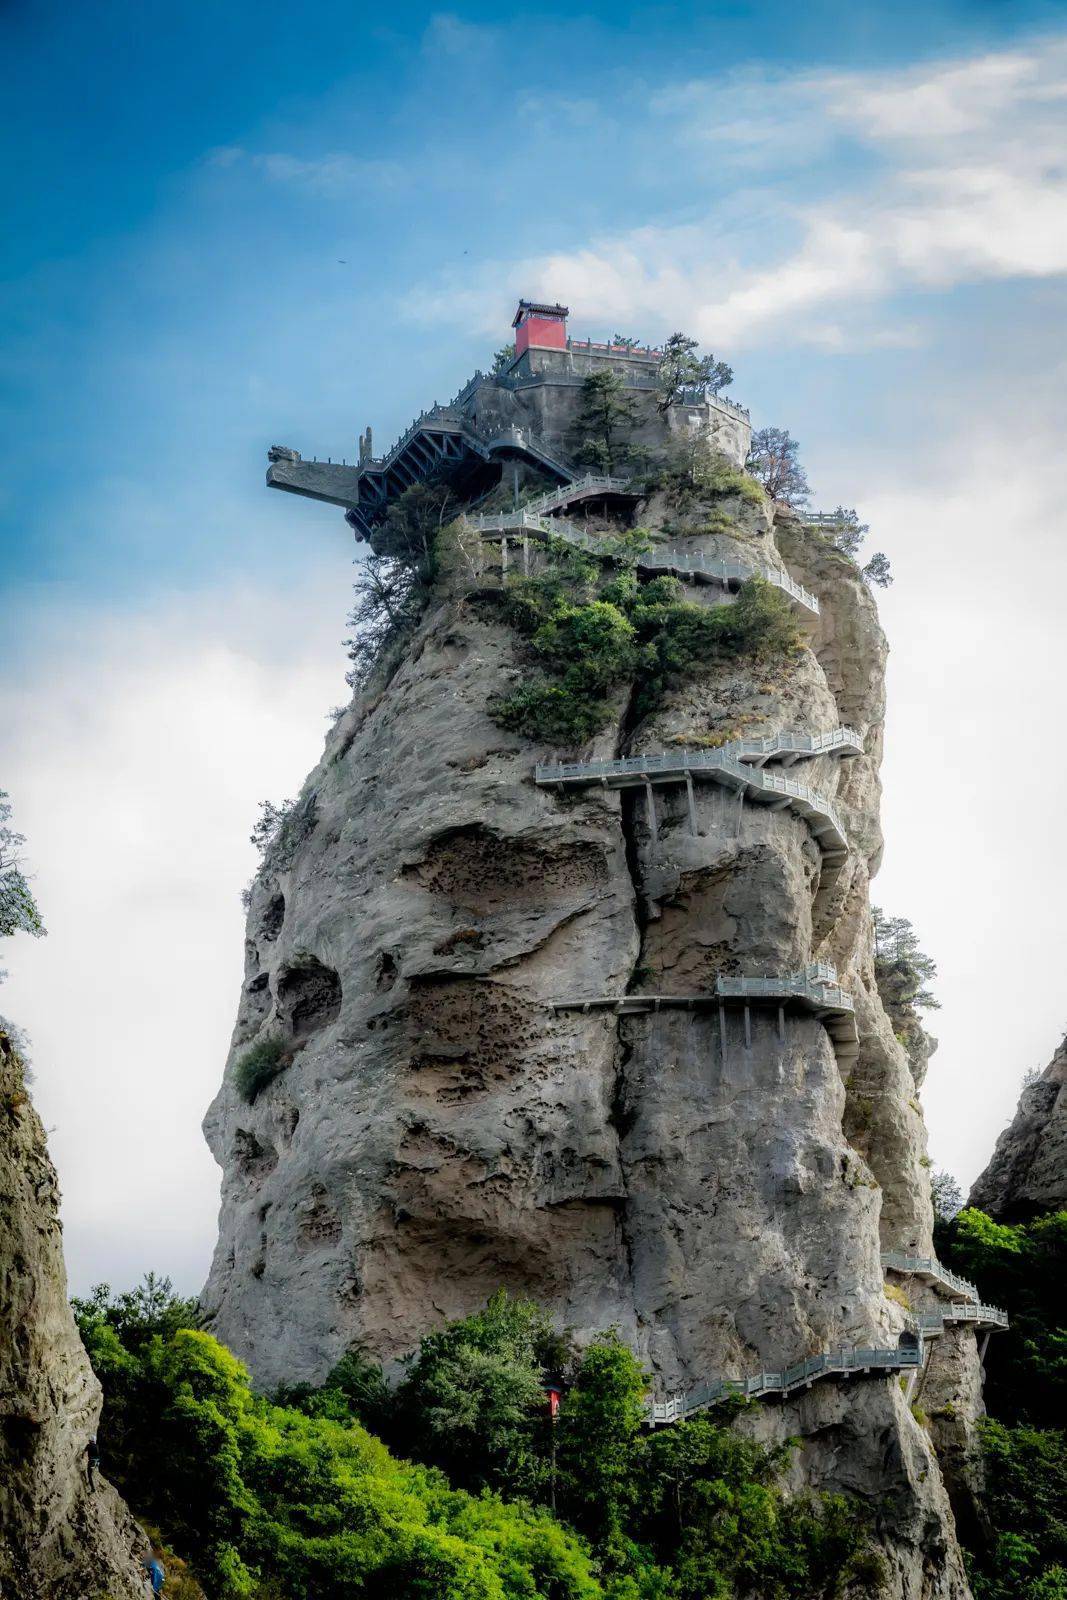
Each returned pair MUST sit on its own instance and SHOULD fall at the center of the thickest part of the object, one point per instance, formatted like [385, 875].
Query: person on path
[154, 1568]
[92, 1460]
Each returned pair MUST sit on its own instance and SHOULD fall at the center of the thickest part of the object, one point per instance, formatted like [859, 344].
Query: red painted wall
[545, 332]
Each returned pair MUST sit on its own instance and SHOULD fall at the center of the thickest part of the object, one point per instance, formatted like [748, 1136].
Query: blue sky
[229, 227]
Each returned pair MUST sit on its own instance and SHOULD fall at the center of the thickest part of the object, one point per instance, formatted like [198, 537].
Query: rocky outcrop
[718, 1189]
[1027, 1175]
[60, 1538]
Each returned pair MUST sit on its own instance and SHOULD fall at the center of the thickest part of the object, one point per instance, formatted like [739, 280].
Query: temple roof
[526, 306]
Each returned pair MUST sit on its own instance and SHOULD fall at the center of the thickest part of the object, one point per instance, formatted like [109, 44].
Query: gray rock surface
[442, 1131]
[59, 1539]
[1027, 1174]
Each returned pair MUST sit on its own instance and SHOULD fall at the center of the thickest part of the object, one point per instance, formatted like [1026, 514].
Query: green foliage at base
[1024, 1442]
[1023, 1268]
[471, 1392]
[259, 1065]
[298, 1501]
[593, 634]
[269, 1501]
[1026, 1501]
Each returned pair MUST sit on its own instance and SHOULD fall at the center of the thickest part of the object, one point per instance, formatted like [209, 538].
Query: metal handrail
[675, 559]
[929, 1267]
[582, 488]
[824, 519]
[823, 992]
[810, 803]
[933, 1322]
[787, 743]
[895, 1358]
[817, 983]
[671, 559]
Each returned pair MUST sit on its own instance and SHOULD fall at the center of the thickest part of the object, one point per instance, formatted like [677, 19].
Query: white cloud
[973, 786]
[334, 173]
[959, 175]
[449, 35]
[136, 755]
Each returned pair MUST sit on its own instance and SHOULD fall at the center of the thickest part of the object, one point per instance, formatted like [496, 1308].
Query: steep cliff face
[1028, 1171]
[717, 1184]
[60, 1538]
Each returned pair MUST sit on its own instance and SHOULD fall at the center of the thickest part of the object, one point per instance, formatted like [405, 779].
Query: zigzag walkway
[964, 1306]
[736, 771]
[929, 1271]
[900, 1358]
[831, 1364]
[814, 989]
[592, 486]
[692, 566]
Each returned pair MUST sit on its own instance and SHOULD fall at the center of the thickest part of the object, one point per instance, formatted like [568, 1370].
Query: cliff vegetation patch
[591, 634]
[260, 1064]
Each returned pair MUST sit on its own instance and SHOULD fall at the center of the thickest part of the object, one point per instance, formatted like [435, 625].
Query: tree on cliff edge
[18, 908]
[774, 461]
[681, 368]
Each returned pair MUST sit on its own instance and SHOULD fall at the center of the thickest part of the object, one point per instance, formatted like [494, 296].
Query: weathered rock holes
[385, 972]
[482, 1027]
[319, 1222]
[252, 1158]
[475, 867]
[255, 1004]
[273, 916]
[308, 996]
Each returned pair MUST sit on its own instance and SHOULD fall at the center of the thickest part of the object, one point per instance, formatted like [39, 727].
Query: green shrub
[1026, 1500]
[260, 1064]
[1024, 1441]
[591, 641]
[265, 1499]
[1022, 1267]
[472, 1401]
[293, 1499]
[695, 470]
[550, 713]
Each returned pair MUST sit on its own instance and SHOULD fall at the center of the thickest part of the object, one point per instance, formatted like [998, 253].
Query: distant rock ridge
[1027, 1175]
[60, 1539]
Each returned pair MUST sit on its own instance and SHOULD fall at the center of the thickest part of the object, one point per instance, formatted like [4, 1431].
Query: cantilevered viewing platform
[814, 990]
[522, 417]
